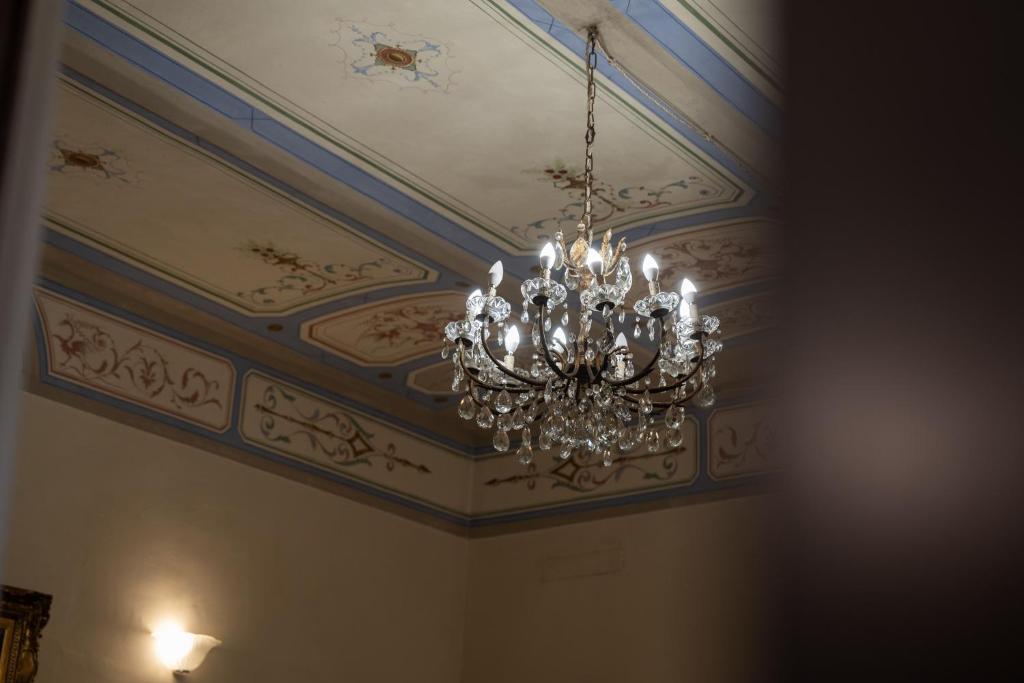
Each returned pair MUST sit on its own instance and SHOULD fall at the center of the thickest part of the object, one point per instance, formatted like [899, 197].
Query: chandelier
[582, 391]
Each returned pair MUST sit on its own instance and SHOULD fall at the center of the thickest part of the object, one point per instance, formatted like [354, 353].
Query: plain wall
[674, 595]
[125, 529]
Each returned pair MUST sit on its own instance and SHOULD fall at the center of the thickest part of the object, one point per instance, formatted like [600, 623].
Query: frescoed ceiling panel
[390, 332]
[206, 199]
[500, 99]
[129, 188]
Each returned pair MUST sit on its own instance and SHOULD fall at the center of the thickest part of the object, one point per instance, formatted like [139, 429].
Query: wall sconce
[180, 651]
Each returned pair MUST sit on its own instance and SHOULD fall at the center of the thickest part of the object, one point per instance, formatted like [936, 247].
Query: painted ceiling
[263, 213]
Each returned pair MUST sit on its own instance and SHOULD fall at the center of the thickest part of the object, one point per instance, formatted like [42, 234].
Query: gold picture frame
[23, 615]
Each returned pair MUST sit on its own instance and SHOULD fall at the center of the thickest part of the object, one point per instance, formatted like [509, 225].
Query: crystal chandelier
[581, 391]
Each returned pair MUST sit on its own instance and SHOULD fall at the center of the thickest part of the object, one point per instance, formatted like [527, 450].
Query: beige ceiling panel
[132, 190]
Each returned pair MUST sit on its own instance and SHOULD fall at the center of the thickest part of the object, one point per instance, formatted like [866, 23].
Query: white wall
[660, 597]
[125, 528]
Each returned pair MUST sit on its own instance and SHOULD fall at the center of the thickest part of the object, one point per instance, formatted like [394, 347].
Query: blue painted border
[288, 336]
[190, 83]
[689, 50]
[684, 46]
[175, 75]
[231, 437]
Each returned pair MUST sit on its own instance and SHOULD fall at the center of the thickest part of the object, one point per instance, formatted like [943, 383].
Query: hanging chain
[586, 222]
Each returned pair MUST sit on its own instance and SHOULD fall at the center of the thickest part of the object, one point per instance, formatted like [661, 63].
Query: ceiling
[308, 191]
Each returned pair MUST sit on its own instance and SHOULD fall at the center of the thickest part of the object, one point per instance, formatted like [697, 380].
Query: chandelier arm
[544, 345]
[498, 387]
[679, 382]
[650, 366]
[504, 370]
[658, 407]
[491, 387]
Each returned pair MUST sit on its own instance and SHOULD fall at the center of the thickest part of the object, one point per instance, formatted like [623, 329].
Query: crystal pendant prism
[467, 408]
[503, 401]
[525, 454]
[484, 418]
[500, 441]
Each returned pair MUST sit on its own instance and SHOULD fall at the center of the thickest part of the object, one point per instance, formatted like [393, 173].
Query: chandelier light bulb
[547, 256]
[475, 293]
[688, 290]
[620, 359]
[650, 268]
[559, 338]
[511, 339]
[594, 262]
[496, 272]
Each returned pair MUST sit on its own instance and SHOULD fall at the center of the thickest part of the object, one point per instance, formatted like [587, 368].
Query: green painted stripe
[725, 38]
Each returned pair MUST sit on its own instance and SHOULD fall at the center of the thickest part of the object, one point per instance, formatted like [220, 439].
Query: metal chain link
[586, 221]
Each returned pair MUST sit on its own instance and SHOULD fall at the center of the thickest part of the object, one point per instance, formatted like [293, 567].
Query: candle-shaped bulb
[650, 268]
[475, 293]
[559, 337]
[595, 262]
[547, 255]
[511, 339]
[685, 310]
[620, 341]
[688, 290]
[496, 272]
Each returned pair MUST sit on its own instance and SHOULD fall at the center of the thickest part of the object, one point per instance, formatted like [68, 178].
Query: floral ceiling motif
[581, 474]
[92, 349]
[123, 362]
[613, 205]
[300, 424]
[347, 81]
[742, 441]
[304, 277]
[93, 161]
[383, 54]
[200, 222]
[391, 332]
[718, 256]
[305, 427]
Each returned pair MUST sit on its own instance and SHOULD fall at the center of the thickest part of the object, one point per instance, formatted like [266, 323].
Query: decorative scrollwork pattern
[304, 276]
[611, 203]
[331, 432]
[389, 332]
[583, 475]
[291, 421]
[117, 358]
[742, 441]
[383, 54]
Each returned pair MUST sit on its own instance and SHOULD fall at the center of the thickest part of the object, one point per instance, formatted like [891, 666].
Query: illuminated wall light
[180, 651]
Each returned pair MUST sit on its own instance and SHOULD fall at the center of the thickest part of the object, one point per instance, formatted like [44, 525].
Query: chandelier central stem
[587, 220]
